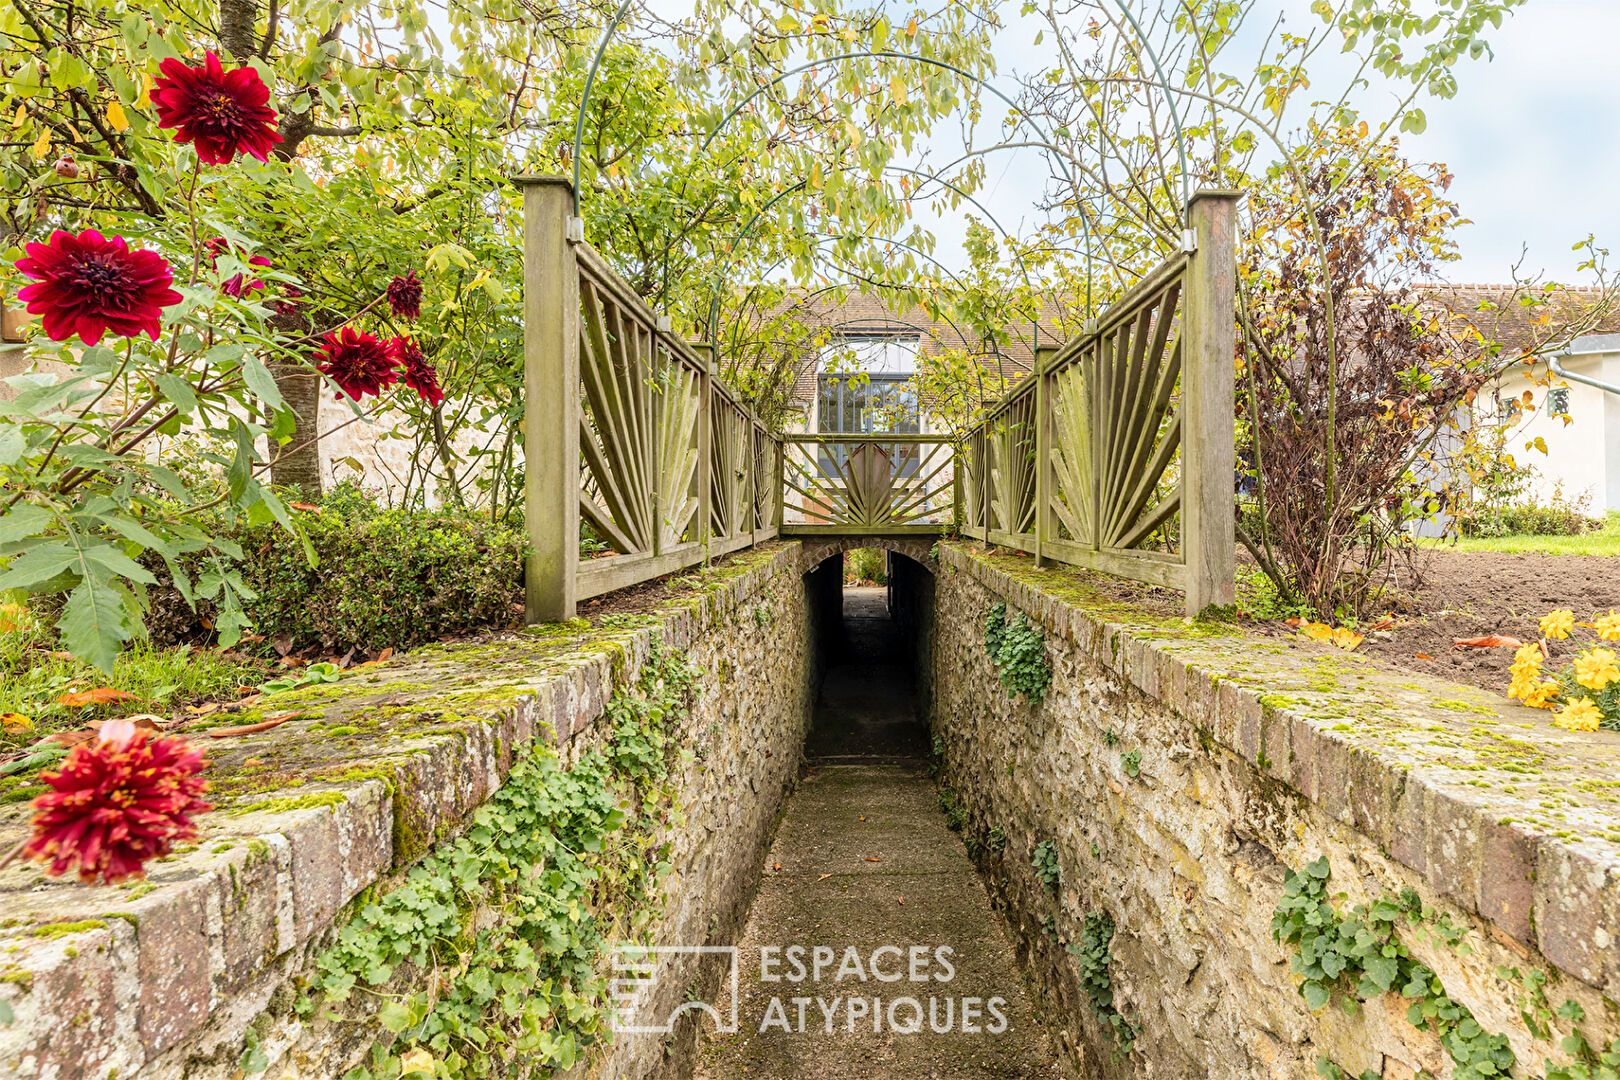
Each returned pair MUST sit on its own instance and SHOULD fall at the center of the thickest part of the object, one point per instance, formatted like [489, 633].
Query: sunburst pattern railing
[673, 468]
[1116, 454]
[856, 484]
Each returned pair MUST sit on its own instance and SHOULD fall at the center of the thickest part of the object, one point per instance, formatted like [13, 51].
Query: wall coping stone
[1503, 814]
[379, 767]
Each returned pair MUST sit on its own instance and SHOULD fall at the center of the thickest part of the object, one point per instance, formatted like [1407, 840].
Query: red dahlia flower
[291, 297]
[88, 285]
[417, 374]
[234, 285]
[405, 296]
[118, 803]
[224, 113]
[357, 362]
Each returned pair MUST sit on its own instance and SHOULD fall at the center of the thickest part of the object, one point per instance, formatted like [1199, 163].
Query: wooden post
[780, 496]
[705, 461]
[1043, 450]
[550, 398]
[1208, 457]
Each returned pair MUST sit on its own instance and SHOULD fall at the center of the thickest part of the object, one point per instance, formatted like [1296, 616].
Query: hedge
[396, 578]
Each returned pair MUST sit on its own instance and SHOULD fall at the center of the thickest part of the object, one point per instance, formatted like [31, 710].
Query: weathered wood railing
[1117, 453]
[626, 429]
[867, 485]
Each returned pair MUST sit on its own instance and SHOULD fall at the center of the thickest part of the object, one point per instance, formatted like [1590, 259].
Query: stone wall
[176, 976]
[1257, 755]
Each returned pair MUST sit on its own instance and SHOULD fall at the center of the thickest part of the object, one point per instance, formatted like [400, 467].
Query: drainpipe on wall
[1553, 362]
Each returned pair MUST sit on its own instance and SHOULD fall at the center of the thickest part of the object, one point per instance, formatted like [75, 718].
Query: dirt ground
[1464, 594]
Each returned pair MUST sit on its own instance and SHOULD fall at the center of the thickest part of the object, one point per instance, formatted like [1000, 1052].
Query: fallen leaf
[305, 507]
[249, 729]
[385, 654]
[823, 877]
[101, 695]
[1113, 786]
[1295, 621]
[282, 643]
[1489, 641]
[1424, 656]
[776, 866]
[252, 761]
[863, 819]
[1383, 624]
[67, 738]
[203, 709]
[873, 858]
[15, 723]
[900, 900]
[249, 693]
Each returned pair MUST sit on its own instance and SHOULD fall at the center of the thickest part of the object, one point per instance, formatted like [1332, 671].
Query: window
[864, 388]
[1558, 400]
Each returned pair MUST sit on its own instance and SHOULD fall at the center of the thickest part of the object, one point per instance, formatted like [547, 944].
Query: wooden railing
[867, 485]
[1117, 452]
[626, 430]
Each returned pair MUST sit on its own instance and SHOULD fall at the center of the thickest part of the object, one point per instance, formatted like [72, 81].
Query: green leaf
[39, 565]
[22, 521]
[262, 383]
[395, 1016]
[12, 444]
[178, 390]
[95, 624]
[1316, 995]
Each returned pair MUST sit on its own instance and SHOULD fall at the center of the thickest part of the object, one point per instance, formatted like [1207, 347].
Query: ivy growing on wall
[1094, 956]
[1018, 650]
[1359, 956]
[1045, 862]
[503, 922]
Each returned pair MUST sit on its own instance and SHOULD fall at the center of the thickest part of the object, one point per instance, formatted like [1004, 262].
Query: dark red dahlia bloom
[287, 303]
[405, 296]
[235, 285]
[118, 803]
[357, 362]
[224, 113]
[88, 285]
[417, 373]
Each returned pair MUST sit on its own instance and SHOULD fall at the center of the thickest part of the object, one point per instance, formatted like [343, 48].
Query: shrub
[381, 578]
[1560, 516]
[867, 565]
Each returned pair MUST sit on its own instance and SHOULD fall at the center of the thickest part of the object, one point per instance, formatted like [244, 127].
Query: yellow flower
[1526, 667]
[1558, 624]
[1579, 715]
[1541, 696]
[1597, 668]
[1607, 626]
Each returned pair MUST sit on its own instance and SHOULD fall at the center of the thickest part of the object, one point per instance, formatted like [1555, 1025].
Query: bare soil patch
[1466, 594]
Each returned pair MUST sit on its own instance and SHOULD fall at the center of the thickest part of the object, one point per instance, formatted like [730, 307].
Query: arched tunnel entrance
[872, 670]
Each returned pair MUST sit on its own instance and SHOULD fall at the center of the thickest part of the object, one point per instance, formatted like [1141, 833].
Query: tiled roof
[1521, 318]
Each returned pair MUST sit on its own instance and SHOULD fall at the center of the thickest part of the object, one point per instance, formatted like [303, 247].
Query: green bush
[867, 564]
[382, 577]
[1561, 518]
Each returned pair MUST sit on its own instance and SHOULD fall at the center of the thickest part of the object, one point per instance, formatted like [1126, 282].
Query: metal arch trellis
[714, 289]
[831, 238]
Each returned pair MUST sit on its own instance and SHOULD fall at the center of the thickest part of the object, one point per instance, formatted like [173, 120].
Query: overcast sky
[1533, 136]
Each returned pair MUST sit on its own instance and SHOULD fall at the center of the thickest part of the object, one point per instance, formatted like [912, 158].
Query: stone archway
[815, 551]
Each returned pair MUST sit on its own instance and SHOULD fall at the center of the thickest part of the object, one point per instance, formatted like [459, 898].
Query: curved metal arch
[714, 293]
[585, 93]
[714, 339]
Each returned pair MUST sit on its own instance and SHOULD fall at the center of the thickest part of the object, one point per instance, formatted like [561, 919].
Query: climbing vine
[1094, 957]
[502, 924]
[1018, 651]
[1360, 956]
[1045, 862]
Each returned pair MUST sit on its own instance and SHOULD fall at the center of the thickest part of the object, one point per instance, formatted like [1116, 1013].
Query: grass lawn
[1605, 541]
[34, 676]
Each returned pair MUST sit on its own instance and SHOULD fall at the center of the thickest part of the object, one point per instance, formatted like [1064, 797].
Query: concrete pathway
[917, 980]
